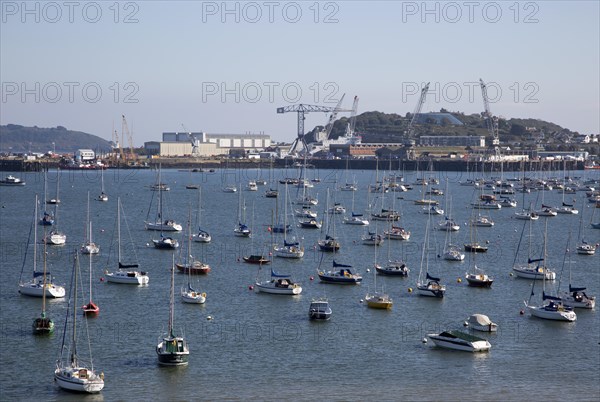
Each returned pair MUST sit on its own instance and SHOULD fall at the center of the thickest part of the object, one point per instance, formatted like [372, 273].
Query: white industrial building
[452, 140]
[204, 144]
[85, 155]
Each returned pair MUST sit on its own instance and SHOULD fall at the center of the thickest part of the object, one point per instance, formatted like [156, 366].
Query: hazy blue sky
[226, 67]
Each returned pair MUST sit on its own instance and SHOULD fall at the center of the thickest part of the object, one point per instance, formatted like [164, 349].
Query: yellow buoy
[459, 280]
[409, 290]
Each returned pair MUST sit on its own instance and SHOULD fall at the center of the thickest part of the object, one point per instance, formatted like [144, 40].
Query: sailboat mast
[74, 339]
[57, 199]
[171, 299]
[119, 228]
[35, 236]
[91, 254]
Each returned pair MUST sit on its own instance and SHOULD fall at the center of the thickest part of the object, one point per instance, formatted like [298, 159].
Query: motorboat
[577, 298]
[481, 322]
[460, 341]
[56, 238]
[586, 248]
[252, 186]
[10, 180]
[229, 189]
[319, 309]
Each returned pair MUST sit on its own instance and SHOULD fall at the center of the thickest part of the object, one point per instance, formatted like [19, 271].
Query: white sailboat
[202, 236]
[188, 293]
[289, 249]
[72, 372]
[550, 307]
[160, 223]
[576, 297]
[531, 269]
[103, 196]
[377, 299]
[126, 273]
[89, 247]
[42, 324]
[42, 284]
[55, 237]
[172, 350]
[242, 229]
[47, 219]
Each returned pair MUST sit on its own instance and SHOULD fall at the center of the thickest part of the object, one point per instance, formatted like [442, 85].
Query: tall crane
[302, 109]
[411, 126]
[192, 139]
[117, 144]
[125, 132]
[352, 123]
[324, 135]
[491, 120]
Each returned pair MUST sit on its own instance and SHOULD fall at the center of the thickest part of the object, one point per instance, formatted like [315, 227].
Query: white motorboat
[252, 186]
[586, 248]
[481, 322]
[11, 180]
[319, 309]
[460, 341]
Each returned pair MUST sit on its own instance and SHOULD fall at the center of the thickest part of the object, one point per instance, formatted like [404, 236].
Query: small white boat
[252, 186]
[11, 181]
[167, 243]
[586, 248]
[393, 268]
[229, 189]
[530, 271]
[319, 309]
[55, 238]
[128, 277]
[482, 221]
[372, 239]
[552, 309]
[349, 187]
[460, 341]
[202, 237]
[577, 298]
[337, 209]
[166, 226]
[481, 322]
[279, 285]
[192, 296]
[289, 250]
[396, 233]
[448, 225]
[433, 210]
[567, 210]
[527, 215]
[547, 211]
[242, 230]
[356, 219]
[305, 213]
[453, 253]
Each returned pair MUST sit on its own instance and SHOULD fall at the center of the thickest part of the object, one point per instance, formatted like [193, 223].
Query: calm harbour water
[263, 346]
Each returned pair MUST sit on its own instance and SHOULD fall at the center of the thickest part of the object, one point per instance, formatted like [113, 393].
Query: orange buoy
[250, 287]
[312, 278]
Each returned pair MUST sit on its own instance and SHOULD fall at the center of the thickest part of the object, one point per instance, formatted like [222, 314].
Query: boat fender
[102, 376]
[204, 294]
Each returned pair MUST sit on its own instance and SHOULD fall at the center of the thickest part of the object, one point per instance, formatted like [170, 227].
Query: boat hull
[36, 290]
[68, 378]
[128, 278]
[478, 346]
[269, 287]
[554, 315]
[339, 279]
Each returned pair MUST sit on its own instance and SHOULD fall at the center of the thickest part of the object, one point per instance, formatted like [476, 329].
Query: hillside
[384, 127]
[19, 139]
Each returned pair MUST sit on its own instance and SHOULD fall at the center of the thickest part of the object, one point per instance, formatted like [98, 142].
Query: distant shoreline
[20, 165]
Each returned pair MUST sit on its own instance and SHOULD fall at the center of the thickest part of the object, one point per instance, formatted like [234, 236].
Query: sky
[225, 67]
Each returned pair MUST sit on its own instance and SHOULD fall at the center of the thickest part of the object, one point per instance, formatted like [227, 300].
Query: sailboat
[551, 307]
[576, 296]
[393, 267]
[242, 230]
[202, 236]
[89, 247]
[278, 284]
[127, 273]
[42, 324]
[189, 264]
[41, 285]
[429, 285]
[378, 299]
[531, 270]
[172, 350]
[91, 308]
[47, 219]
[583, 247]
[103, 196]
[290, 249]
[329, 243]
[55, 237]
[166, 225]
[73, 373]
[355, 218]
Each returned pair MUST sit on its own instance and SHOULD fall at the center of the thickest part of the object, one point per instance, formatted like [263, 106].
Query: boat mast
[35, 237]
[74, 339]
[171, 300]
[91, 254]
[119, 229]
